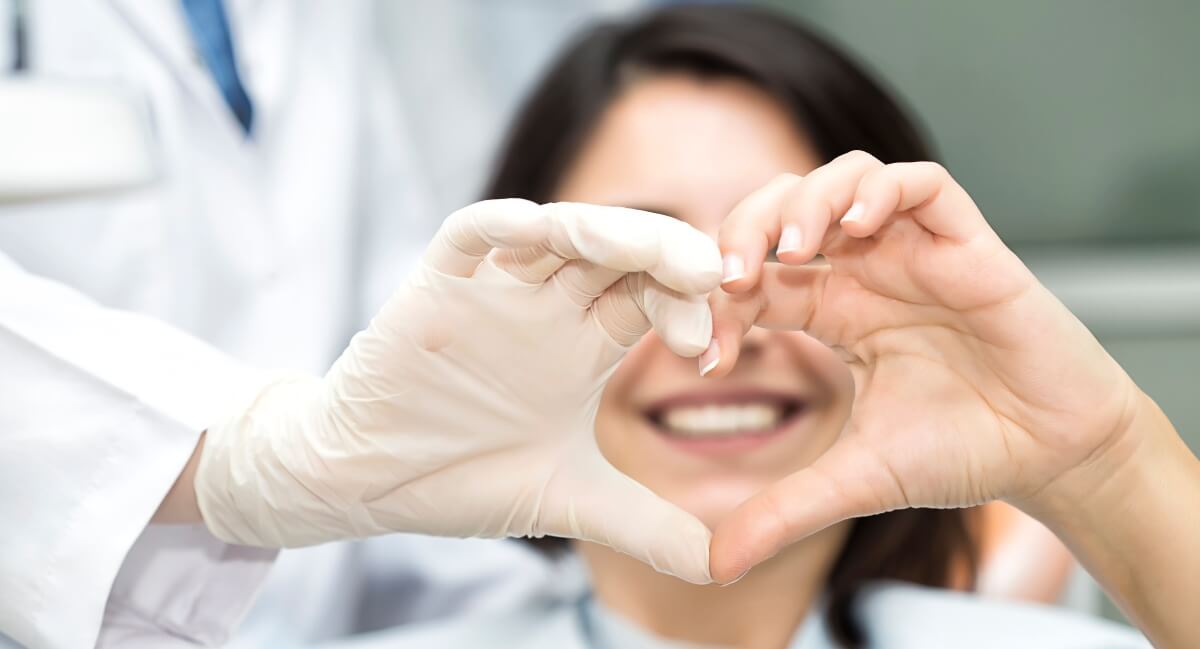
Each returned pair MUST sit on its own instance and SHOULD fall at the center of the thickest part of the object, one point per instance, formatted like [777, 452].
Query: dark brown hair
[839, 107]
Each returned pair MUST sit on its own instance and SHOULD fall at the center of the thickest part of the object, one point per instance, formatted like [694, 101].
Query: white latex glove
[467, 408]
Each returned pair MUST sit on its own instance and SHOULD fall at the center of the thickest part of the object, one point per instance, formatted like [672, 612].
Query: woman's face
[692, 149]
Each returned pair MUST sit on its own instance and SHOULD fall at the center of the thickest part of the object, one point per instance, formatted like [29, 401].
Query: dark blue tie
[211, 31]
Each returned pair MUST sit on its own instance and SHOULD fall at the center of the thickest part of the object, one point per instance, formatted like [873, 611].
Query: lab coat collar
[163, 27]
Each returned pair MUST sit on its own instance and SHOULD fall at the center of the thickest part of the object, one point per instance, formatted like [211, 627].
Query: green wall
[1068, 120]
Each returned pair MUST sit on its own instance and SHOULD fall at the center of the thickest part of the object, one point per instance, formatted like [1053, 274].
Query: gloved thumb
[637, 302]
[596, 502]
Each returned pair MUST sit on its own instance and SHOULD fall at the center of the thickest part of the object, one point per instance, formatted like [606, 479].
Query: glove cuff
[247, 486]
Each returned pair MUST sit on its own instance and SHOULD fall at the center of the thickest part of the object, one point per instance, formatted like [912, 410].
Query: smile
[724, 416]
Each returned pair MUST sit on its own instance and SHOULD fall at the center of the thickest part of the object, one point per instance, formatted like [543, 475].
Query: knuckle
[879, 177]
[786, 178]
[859, 157]
[509, 202]
[493, 206]
[935, 169]
[853, 155]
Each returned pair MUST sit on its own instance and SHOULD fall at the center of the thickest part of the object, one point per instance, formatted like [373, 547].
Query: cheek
[712, 501]
[617, 414]
[834, 392]
[639, 360]
[828, 371]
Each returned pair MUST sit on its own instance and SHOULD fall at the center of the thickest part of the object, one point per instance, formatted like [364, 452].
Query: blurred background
[1072, 123]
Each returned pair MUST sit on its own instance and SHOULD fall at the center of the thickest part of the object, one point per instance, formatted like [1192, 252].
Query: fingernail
[735, 268]
[737, 579]
[854, 214]
[789, 240]
[710, 358]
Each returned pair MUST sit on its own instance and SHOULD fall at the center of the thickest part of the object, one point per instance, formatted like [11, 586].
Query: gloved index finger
[671, 251]
[468, 235]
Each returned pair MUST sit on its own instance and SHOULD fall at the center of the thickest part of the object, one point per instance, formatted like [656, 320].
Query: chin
[714, 500]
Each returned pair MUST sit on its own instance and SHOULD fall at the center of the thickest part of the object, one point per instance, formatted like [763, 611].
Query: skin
[659, 147]
[694, 149]
[666, 146]
[1044, 417]
[928, 307]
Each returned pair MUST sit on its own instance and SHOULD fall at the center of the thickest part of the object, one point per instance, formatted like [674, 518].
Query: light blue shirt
[893, 615]
[901, 616]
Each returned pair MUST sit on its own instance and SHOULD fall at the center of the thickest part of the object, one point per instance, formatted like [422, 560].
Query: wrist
[246, 477]
[1110, 475]
[1126, 515]
[179, 505]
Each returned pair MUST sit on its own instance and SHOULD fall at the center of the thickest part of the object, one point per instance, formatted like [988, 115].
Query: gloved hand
[467, 407]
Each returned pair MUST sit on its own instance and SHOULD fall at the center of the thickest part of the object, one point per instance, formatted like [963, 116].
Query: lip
[796, 407]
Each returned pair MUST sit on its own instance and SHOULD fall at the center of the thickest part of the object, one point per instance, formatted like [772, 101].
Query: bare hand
[973, 382]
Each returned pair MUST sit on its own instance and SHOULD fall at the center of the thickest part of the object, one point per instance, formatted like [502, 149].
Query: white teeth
[715, 421]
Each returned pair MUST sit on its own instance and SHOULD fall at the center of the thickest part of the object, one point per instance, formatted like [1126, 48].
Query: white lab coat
[130, 320]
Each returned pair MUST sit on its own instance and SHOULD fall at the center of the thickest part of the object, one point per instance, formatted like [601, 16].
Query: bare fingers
[843, 483]
[785, 298]
[856, 195]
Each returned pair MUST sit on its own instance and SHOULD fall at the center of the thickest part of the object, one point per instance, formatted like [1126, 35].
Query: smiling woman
[685, 112]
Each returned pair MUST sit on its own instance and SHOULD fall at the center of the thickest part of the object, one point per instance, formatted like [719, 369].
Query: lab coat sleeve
[99, 412]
